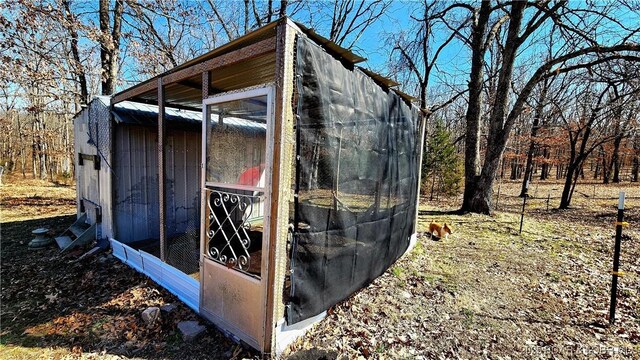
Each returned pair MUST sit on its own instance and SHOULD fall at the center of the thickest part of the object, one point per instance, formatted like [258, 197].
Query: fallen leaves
[490, 292]
[49, 300]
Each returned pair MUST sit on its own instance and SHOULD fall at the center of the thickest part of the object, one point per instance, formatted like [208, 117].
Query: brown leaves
[489, 292]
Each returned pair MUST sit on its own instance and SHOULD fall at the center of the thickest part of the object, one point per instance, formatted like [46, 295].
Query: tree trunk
[565, 199]
[474, 108]
[498, 128]
[246, 16]
[615, 159]
[23, 163]
[514, 169]
[606, 170]
[544, 172]
[110, 44]
[78, 69]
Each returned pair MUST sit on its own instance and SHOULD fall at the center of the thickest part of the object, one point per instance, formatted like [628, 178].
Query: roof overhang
[246, 61]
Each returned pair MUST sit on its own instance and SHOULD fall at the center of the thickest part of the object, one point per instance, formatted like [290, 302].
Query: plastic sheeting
[357, 181]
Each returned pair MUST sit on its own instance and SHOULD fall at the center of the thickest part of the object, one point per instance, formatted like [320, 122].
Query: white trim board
[186, 288]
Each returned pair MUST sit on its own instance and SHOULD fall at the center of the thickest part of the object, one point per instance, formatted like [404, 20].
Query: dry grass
[24, 199]
[490, 292]
[487, 292]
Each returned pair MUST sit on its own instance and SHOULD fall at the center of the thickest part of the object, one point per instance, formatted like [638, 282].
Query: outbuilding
[261, 183]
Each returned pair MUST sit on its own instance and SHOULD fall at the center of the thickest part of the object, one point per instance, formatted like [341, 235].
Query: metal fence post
[548, 198]
[616, 259]
[498, 197]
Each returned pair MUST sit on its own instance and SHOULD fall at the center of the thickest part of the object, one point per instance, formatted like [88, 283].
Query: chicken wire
[182, 200]
[99, 130]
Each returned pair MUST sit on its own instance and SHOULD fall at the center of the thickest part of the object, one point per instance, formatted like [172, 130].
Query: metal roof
[330, 46]
[135, 113]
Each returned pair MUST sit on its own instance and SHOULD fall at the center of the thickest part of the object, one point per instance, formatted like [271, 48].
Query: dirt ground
[486, 292]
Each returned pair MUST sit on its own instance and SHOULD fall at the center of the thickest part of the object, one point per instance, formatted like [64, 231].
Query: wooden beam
[161, 172]
[134, 91]
[195, 86]
[283, 140]
[190, 84]
[260, 48]
[206, 80]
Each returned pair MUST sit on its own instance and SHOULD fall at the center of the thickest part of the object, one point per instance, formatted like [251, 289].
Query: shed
[262, 183]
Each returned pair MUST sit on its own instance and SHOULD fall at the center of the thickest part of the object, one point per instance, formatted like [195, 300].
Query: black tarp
[356, 181]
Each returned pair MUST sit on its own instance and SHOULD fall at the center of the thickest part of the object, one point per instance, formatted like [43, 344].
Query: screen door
[237, 161]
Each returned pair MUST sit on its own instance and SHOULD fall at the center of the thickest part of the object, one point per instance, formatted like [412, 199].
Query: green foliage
[441, 164]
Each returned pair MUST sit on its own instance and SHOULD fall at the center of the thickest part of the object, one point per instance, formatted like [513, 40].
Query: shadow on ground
[51, 300]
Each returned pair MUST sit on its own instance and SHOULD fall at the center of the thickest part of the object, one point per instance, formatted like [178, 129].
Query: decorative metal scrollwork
[228, 233]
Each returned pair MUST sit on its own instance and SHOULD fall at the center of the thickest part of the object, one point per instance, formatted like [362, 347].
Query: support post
[161, 172]
[616, 260]
[336, 181]
[422, 131]
[204, 209]
[282, 170]
[206, 79]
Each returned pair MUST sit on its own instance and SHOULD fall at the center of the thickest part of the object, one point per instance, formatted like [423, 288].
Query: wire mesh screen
[357, 177]
[99, 137]
[182, 199]
[236, 173]
[135, 183]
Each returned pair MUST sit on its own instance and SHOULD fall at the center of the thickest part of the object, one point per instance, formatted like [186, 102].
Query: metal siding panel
[152, 192]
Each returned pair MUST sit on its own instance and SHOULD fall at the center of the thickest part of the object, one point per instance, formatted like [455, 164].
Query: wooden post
[616, 260]
[204, 209]
[161, 172]
[282, 171]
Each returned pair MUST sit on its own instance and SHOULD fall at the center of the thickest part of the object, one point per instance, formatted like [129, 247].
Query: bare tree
[109, 41]
[586, 121]
[417, 52]
[581, 51]
[163, 34]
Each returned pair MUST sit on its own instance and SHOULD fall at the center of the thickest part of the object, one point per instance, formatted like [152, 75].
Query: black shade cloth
[357, 181]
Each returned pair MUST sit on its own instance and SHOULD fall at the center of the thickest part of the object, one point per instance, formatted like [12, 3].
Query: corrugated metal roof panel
[135, 113]
[334, 48]
[253, 71]
[379, 78]
[405, 96]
